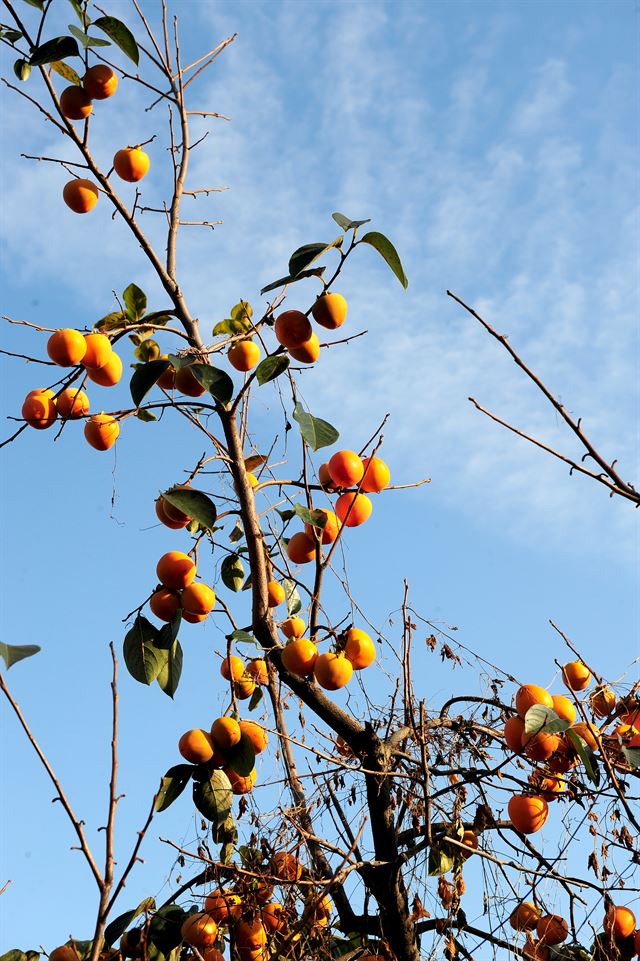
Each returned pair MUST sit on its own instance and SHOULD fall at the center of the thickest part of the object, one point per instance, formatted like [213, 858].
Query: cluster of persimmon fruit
[102, 365]
[215, 747]
[619, 940]
[179, 590]
[76, 103]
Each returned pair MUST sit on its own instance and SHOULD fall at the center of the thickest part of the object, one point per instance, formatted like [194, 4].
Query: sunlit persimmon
[187, 383]
[619, 922]
[292, 328]
[226, 732]
[275, 593]
[175, 570]
[39, 409]
[244, 355]
[293, 627]
[72, 403]
[256, 734]
[199, 930]
[80, 195]
[346, 468]
[589, 734]
[223, 905]
[576, 675]
[524, 916]
[376, 475]
[131, 164]
[257, 669]
[541, 745]
[513, 731]
[109, 374]
[101, 431]
[332, 671]
[285, 866]
[329, 532]
[244, 688]
[232, 668]
[75, 103]
[353, 509]
[172, 518]
[66, 347]
[273, 916]
[299, 656]
[530, 694]
[196, 746]
[528, 813]
[193, 618]
[100, 82]
[198, 598]
[65, 952]
[308, 352]
[239, 784]
[301, 549]
[164, 604]
[603, 701]
[98, 350]
[359, 648]
[330, 311]
[324, 478]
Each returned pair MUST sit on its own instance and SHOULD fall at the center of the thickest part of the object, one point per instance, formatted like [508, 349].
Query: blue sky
[496, 143]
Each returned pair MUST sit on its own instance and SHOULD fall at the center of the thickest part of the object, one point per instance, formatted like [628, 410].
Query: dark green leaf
[227, 832]
[440, 861]
[79, 12]
[271, 367]
[86, 40]
[177, 362]
[147, 416]
[56, 49]
[120, 34]
[39, 4]
[217, 382]
[632, 755]
[169, 674]
[109, 321]
[144, 661]
[256, 697]
[22, 69]
[213, 797]
[586, 755]
[168, 633]
[304, 256]
[315, 518]
[347, 224]
[317, 433]
[314, 272]
[164, 930]
[294, 604]
[12, 653]
[172, 785]
[64, 70]
[232, 572]
[158, 317]
[286, 515]
[540, 718]
[15, 954]
[194, 503]
[119, 925]
[388, 253]
[242, 757]
[135, 302]
[144, 378]
[11, 35]
[237, 533]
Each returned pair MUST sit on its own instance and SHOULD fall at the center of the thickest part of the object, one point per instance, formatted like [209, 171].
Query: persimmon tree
[389, 807]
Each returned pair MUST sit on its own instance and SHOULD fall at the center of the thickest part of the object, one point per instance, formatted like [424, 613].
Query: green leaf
[15, 954]
[440, 861]
[56, 49]
[194, 503]
[294, 604]
[38, 4]
[314, 272]
[164, 930]
[213, 797]
[65, 71]
[286, 515]
[540, 718]
[232, 572]
[217, 382]
[145, 377]
[147, 416]
[109, 321]
[172, 785]
[169, 674]
[256, 697]
[242, 757]
[12, 653]
[586, 755]
[144, 661]
[86, 40]
[227, 832]
[315, 518]
[80, 14]
[135, 302]
[242, 637]
[22, 69]
[237, 533]
[347, 224]
[271, 367]
[388, 253]
[11, 35]
[242, 311]
[304, 256]
[120, 34]
[168, 633]
[119, 925]
[316, 432]
[632, 754]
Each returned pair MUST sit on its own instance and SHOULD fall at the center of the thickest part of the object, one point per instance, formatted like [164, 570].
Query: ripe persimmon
[275, 593]
[619, 922]
[376, 475]
[66, 952]
[530, 694]
[564, 708]
[39, 409]
[256, 734]
[535, 950]
[187, 383]
[552, 929]
[359, 648]
[285, 866]
[72, 403]
[196, 746]
[513, 731]
[109, 374]
[244, 688]
[299, 656]
[576, 675]
[199, 930]
[293, 627]
[589, 734]
[170, 516]
[131, 164]
[257, 669]
[80, 195]
[603, 701]
[524, 916]
[164, 604]
[329, 532]
[549, 786]
[75, 103]
[321, 912]
[330, 311]
[273, 916]
[301, 549]
[226, 732]
[66, 347]
[292, 329]
[193, 618]
[244, 355]
[98, 350]
[232, 668]
[345, 468]
[541, 745]
[175, 570]
[353, 509]
[324, 478]
[100, 82]
[308, 352]
[198, 598]
[167, 379]
[239, 784]
[528, 813]
[332, 671]
[101, 431]
[223, 906]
